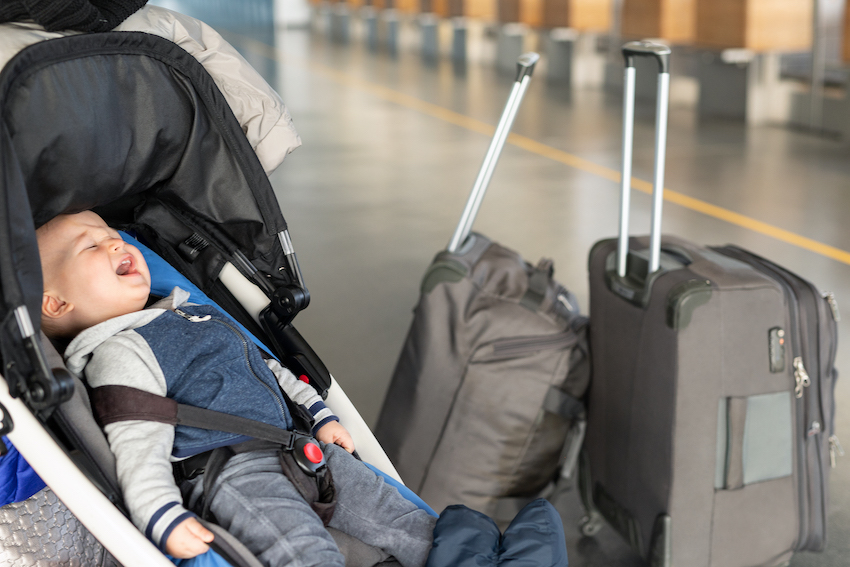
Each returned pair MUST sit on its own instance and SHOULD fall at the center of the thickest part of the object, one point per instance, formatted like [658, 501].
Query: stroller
[132, 126]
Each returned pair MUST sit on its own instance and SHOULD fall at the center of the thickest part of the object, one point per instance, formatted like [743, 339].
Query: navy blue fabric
[19, 481]
[208, 363]
[466, 538]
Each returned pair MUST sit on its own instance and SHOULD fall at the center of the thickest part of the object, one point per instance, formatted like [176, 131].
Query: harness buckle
[308, 455]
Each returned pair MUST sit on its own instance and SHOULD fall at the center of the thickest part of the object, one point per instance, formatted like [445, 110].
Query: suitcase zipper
[801, 377]
[835, 449]
[802, 383]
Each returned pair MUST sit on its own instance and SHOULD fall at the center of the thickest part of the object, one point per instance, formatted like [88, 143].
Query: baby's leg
[256, 503]
[375, 513]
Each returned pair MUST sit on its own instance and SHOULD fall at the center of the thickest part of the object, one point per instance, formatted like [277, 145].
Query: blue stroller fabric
[466, 538]
[19, 481]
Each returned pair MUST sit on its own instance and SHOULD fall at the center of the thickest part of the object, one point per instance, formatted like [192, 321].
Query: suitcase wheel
[591, 524]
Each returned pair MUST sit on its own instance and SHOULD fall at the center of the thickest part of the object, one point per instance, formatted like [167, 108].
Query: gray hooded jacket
[194, 355]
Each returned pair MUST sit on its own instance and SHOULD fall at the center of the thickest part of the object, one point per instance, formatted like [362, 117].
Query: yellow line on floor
[555, 154]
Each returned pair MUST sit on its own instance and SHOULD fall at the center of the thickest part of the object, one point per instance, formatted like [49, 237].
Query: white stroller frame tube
[662, 54]
[525, 67]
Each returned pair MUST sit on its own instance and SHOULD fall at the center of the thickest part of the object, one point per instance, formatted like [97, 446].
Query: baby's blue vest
[209, 363]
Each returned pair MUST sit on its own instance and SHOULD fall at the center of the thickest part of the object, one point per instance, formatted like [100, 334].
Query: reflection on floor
[392, 144]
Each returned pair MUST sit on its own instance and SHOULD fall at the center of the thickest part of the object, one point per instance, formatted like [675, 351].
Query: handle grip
[647, 49]
[525, 65]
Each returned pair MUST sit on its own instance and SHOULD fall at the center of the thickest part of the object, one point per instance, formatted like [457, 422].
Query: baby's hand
[333, 432]
[188, 539]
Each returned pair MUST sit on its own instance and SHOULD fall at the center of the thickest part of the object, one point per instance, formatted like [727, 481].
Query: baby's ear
[53, 307]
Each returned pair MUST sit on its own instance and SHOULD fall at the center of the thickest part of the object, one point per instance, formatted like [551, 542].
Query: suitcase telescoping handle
[661, 53]
[525, 67]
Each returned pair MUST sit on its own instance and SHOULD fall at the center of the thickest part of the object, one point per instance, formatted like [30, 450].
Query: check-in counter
[759, 25]
[739, 68]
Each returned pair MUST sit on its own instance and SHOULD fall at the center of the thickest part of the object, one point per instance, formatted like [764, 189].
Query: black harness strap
[313, 480]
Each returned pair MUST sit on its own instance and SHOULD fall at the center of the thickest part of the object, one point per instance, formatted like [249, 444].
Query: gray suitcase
[711, 411]
[489, 383]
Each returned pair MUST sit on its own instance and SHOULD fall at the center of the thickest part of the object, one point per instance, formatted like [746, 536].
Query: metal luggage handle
[525, 67]
[661, 53]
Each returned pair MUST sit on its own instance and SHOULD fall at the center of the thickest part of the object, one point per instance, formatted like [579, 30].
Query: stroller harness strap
[302, 459]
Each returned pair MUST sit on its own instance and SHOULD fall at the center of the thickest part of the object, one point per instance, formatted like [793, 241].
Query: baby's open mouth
[125, 267]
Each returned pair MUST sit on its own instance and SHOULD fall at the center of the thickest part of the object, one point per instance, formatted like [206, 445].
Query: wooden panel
[583, 15]
[407, 6]
[483, 9]
[440, 7]
[678, 21]
[641, 18]
[673, 20]
[779, 25]
[590, 15]
[556, 13]
[508, 11]
[721, 23]
[760, 25]
[531, 12]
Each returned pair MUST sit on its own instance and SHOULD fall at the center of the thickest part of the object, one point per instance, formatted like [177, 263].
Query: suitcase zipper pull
[196, 319]
[814, 429]
[834, 449]
[833, 304]
[801, 376]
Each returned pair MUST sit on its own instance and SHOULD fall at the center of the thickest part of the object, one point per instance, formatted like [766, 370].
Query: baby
[96, 289]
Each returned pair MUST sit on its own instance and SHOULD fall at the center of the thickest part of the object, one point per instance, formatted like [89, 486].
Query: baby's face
[88, 265]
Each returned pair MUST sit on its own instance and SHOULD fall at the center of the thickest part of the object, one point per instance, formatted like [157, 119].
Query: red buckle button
[313, 453]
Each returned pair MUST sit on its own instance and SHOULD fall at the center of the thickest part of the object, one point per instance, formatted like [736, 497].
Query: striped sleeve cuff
[321, 416]
[163, 522]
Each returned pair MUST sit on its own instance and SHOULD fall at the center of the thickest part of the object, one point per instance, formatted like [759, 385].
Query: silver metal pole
[489, 165]
[818, 68]
[626, 181]
[658, 184]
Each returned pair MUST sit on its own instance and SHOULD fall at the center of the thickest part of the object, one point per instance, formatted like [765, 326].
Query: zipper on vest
[193, 318]
[251, 368]
[245, 350]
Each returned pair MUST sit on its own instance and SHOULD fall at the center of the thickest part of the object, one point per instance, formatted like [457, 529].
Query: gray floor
[392, 146]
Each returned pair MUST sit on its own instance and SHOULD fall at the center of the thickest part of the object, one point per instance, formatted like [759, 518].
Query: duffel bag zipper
[527, 345]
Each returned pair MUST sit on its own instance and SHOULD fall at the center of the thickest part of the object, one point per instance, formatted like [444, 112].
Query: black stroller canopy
[130, 125]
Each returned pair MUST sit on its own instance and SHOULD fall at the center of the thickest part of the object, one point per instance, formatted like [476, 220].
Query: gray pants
[256, 503]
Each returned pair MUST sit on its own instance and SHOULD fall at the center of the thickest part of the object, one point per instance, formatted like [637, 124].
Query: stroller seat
[130, 125]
